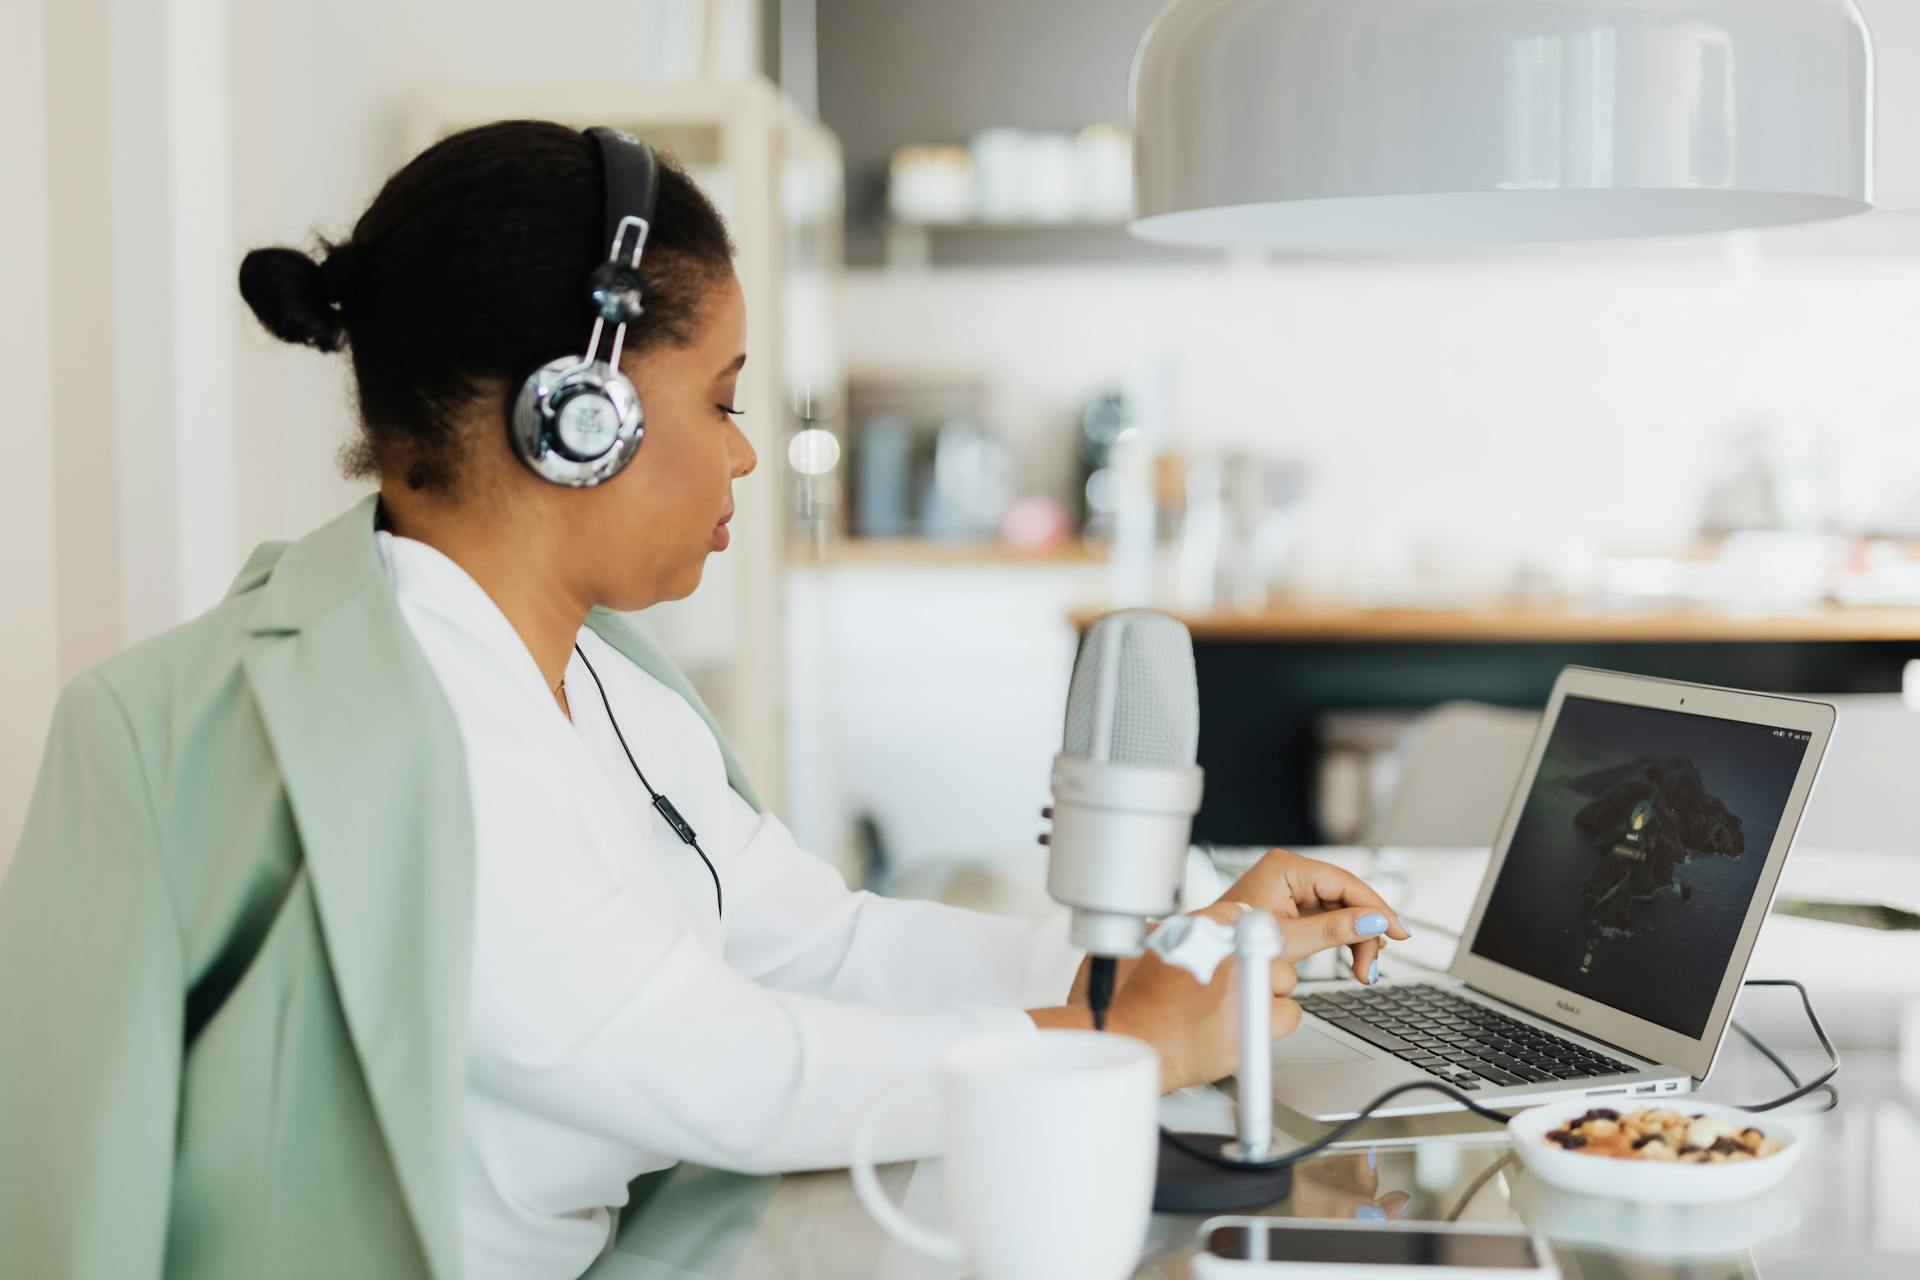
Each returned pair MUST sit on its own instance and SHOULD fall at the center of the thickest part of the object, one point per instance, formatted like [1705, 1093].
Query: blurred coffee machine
[924, 464]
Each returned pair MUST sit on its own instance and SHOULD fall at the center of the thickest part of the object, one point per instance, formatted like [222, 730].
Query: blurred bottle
[883, 494]
[1102, 419]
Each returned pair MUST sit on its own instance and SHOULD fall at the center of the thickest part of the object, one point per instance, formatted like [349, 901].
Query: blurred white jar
[930, 184]
[999, 168]
[1103, 164]
[1050, 188]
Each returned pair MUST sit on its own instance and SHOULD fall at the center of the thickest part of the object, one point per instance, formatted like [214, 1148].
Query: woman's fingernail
[1373, 1161]
[1373, 973]
[1370, 1213]
[1372, 925]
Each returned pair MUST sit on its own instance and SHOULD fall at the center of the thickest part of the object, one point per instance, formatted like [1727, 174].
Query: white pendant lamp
[1403, 124]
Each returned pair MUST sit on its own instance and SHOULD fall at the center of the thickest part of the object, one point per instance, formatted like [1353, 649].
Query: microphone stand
[1186, 1183]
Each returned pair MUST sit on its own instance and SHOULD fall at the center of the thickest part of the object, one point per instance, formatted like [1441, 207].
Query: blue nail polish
[1373, 1160]
[1370, 1213]
[1372, 925]
[1373, 973]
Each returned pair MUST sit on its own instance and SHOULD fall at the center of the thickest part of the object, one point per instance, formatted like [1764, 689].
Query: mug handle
[866, 1184]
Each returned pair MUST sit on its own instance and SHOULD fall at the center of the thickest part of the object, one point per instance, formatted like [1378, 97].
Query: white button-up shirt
[618, 1023]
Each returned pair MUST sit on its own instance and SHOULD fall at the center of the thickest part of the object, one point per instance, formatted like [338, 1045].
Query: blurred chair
[1864, 802]
[1353, 770]
[1455, 770]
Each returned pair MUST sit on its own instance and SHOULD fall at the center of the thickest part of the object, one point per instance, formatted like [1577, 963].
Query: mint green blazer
[234, 943]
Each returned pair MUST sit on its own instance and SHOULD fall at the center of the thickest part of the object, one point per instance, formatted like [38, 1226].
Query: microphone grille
[1133, 698]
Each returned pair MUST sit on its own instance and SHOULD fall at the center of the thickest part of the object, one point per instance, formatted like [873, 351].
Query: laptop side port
[1645, 1088]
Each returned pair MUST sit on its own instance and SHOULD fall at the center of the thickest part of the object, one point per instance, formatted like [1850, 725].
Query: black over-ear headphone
[577, 420]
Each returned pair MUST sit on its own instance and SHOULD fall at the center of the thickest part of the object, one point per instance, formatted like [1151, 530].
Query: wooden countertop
[1304, 620]
[916, 552]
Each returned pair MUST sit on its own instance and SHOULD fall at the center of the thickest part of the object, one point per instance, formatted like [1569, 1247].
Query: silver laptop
[1612, 929]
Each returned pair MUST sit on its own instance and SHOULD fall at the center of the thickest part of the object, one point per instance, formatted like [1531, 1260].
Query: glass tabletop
[1851, 1208]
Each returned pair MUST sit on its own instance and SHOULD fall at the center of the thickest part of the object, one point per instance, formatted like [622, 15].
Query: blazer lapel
[371, 759]
[648, 656]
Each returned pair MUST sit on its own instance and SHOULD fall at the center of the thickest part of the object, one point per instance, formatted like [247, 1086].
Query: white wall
[929, 699]
[29, 617]
[319, 93]
[1489, 411]
[1505, 407]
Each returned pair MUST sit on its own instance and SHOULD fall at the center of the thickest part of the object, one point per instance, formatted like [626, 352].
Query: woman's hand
[1193, 1025]
[1315, 892]
[1294, 887]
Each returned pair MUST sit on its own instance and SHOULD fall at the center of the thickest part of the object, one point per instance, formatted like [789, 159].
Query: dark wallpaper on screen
[1637, 854]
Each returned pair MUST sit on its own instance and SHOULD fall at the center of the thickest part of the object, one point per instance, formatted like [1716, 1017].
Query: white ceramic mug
[1048, 1142]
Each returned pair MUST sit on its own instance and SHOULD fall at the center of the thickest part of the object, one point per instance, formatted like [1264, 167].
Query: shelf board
[913, 226]
[938, 553]
[1509, 622]
[985, 242]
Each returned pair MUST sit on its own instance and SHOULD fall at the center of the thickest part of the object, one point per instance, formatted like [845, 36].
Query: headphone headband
[577, 420]
[630, 174]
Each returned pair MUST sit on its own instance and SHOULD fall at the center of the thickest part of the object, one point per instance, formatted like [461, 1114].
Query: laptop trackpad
[1308, 1048]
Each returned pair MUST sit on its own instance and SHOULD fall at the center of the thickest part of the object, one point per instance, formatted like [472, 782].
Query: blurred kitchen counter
[1512, 621]
[938, 553]
[1274, 683]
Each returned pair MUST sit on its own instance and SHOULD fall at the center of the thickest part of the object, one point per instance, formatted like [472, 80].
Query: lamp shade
[1402, 124]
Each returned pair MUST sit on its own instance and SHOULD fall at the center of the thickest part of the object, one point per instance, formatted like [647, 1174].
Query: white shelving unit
[777, 176]
[910, 244]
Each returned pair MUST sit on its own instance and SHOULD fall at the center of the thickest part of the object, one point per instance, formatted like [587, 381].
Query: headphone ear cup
[576, 422]
[586, 422]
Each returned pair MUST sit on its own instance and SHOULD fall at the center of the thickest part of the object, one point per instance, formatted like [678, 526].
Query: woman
[351, 934]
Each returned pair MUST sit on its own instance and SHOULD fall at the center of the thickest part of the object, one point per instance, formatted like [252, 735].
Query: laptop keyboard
[1468, 1045]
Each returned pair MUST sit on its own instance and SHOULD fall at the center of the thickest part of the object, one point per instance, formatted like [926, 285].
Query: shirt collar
[426, 577]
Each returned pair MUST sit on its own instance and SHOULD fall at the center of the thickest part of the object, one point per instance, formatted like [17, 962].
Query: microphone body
[1125, 785]
[1120, 835]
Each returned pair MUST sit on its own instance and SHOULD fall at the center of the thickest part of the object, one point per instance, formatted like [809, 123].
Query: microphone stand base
[1187, 1184]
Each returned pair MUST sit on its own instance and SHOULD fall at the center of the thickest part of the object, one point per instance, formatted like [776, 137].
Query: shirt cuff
[1005, 1021]
[1052, 966]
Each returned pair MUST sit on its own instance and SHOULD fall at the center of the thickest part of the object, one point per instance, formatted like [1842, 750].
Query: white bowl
[1654, 1181]
[1660, 1233]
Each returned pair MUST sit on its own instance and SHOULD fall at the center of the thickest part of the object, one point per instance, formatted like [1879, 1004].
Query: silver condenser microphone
[1125, 785]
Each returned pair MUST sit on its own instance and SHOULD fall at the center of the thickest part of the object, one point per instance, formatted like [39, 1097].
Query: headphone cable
[665, 807]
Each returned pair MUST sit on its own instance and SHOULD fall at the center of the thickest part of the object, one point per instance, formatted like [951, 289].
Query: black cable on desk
[1486, 1176]
[1833, 1055]
[1346, 1127]
[1339, 1131]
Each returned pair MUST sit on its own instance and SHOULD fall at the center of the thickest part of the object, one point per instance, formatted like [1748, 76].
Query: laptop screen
[1636, 856]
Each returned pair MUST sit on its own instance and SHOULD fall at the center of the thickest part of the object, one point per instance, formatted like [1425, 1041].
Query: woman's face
[655, 524]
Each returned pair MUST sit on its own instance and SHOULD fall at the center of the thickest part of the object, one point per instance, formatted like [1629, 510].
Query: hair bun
[290, 293]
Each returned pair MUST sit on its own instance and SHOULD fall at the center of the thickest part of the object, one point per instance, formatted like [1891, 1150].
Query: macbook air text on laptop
[1613, 927]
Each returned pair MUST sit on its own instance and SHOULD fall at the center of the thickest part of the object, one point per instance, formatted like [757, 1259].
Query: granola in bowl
[1662, 1134]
